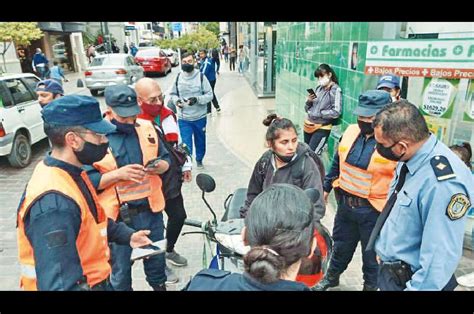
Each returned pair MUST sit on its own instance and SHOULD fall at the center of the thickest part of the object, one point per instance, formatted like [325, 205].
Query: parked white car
[21, 124]
[172, 56]
[111, 69]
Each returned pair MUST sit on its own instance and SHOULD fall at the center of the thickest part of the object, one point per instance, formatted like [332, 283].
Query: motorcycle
[229, 246]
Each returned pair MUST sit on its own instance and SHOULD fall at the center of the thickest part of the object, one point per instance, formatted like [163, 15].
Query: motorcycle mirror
[312, 194]
[205, 182]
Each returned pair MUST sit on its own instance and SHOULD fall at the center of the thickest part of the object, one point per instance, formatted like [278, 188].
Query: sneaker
[199, 164]
[176, 259]
[170, 276]
[466, 280]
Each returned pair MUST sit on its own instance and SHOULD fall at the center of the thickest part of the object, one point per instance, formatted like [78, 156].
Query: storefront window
[61, 50]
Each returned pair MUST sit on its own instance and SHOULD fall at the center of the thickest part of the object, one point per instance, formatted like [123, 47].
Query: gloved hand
[192, 101]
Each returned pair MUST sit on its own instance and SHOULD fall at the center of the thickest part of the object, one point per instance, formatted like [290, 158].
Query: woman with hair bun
[286, 161]
[279, 228]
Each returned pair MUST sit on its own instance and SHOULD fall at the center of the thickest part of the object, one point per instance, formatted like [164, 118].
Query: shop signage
[423, 58]
[437, 96]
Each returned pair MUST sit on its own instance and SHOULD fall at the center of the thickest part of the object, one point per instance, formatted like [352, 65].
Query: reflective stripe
[365, 175]
[146, 190]
[348, 178]
[103, 232]
[28, 271]
[348, 187]
[132, 185]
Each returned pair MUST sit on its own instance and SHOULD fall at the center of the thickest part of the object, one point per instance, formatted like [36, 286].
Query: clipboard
[158, 247]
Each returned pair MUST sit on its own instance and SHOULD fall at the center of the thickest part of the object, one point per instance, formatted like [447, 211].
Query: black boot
[330, 280]
[369, 288]
[161, 287]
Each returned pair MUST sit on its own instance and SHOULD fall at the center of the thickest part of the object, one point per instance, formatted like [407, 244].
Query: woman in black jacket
[287, 161]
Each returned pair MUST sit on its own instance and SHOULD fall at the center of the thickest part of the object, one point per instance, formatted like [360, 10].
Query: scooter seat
[237, 201]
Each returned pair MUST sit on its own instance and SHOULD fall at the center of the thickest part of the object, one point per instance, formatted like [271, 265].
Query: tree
[191, 42]
[212, 27]
[20, 33]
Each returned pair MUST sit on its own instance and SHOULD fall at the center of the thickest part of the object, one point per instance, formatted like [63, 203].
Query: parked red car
[153, 60]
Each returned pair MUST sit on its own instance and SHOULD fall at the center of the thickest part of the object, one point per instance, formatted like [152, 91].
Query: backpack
[297, 170]
[176, 83]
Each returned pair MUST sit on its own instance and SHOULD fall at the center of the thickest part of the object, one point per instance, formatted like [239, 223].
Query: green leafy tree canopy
[20, 33]
[202, 38]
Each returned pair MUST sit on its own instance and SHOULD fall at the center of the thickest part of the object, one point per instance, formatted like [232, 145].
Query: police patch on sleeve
[458, 206]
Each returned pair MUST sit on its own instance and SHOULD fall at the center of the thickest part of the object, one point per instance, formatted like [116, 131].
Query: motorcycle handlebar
[193, 223]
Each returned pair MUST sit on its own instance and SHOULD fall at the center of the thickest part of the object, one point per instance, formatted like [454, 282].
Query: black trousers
[214, 99]
[387, 281]
[174, 208]
[317, 140]
[232, 63]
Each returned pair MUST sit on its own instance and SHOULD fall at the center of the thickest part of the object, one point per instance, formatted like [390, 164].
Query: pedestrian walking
[191, 93]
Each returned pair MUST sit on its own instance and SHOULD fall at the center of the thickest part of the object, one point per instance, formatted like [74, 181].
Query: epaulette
[442, 168]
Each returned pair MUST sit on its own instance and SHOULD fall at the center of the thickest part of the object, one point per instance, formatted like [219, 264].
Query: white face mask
[324, 81]
[394, 99]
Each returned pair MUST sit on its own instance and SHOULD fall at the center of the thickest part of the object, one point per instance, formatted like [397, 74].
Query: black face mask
[285, 159]
[365, 127]
[387, 152]
[91, 153]
[187, 67]
[123, 127]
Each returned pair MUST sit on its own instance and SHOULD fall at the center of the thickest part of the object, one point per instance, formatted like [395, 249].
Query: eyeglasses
[156, 99]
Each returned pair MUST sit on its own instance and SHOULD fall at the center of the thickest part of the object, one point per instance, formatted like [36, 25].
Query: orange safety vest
[92, 245]
[372, 184]
[125, 191]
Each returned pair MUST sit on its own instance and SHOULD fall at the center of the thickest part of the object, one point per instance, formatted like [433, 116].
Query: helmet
[314, 269]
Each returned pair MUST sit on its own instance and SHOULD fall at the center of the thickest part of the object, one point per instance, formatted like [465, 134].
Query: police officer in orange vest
[129, 186]
[62, 229]
[361, 180]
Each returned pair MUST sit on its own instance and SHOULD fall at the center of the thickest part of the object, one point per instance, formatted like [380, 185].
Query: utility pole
[107, 36]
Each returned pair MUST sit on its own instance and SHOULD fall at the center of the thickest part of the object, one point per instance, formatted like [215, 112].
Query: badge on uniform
[458, 206]
[442, 168]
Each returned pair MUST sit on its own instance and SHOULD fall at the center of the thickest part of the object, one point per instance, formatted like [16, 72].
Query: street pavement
[235, 140]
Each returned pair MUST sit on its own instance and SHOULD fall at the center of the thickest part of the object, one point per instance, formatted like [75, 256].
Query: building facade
[435, 62]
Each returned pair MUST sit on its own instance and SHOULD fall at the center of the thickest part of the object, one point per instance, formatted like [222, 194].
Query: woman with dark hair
[323, 108]
[287, 161]
[463, 151]
[279, 229]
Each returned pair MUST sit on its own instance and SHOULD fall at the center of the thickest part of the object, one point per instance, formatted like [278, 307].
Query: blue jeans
[121, 278]
[42, 72]
[352, 225]
[196, 129]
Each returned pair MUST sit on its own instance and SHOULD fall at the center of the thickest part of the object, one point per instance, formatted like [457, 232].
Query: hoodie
[189, 85]
[311, 179]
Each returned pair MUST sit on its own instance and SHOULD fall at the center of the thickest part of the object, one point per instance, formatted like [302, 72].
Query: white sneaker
[466, 280]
